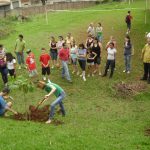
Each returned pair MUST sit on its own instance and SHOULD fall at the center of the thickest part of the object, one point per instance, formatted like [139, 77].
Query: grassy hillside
[96, 118]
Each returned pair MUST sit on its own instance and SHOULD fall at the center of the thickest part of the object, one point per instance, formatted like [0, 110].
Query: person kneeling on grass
[4, 106]
[55, 89]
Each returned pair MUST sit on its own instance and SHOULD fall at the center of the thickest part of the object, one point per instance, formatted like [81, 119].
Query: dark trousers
[4, 72]
[111, 64]
[146, 71]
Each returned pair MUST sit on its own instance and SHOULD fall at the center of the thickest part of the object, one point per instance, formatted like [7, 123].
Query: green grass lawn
[96, 118]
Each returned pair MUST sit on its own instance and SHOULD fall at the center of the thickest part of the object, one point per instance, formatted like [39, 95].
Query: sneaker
[52, 67]
[88, 75]
[78, 73]
[73, 72]
[48, 121]
[70, 81]
[92, 75]
[81, 75]
[19, 67]
[84, 79]
[128, 72]
[44, 78]
[25, 67]
[100, 73]
[124, 71]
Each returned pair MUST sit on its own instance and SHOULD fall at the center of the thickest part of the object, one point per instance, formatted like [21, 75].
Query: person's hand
[16, 113]
[46, 96]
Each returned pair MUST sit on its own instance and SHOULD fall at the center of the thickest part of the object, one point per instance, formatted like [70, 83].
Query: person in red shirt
[128, 21]
[31, 65]
[64, 57]
[45, 62]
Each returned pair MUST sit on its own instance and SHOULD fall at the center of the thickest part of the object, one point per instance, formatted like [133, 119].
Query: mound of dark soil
[130, 89]
[36, 115]
[147, 132]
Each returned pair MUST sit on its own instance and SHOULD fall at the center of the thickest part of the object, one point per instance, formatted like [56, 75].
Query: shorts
[90, 63]
[33, 73]
[128, 25]
[100, 38]
[97, 60]
[53, 55]
[74, 61]
[46, 71]
[11, 72]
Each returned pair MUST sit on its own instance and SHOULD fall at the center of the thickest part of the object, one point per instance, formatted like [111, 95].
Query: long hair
[9, 57]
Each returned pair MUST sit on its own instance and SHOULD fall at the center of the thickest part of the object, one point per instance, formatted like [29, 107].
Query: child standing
[128, 21]
[31, 65]
[111, 52]
[64, 57]
[74, 55]
[90, 61]
[45, 62]
[11, 64]
[82, 59]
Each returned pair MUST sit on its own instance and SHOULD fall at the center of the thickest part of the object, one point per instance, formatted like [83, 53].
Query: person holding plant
[52, 88]
[19, 51]
[5, 106]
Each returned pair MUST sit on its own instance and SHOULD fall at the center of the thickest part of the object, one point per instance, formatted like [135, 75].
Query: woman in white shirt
[111, 54]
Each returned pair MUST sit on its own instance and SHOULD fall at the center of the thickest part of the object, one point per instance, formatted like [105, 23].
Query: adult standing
[19, 51]
[53, 51]
[127, 54]
[99, 32]
[3, 65]
[97, 48]
[91, 30]
[146, 61]
[64, 57]
[128, 21]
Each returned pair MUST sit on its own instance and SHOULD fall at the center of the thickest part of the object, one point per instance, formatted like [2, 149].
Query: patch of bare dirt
[36, 115]
[130, 89]
[147, 132]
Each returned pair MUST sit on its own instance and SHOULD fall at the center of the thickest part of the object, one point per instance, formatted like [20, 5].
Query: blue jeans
[65, 70]
[56, 102]
[127, 59]
[20, 58]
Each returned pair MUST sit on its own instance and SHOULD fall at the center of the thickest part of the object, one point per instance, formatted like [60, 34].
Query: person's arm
[11, 110]
[24, 45]
[51, 92]
[15, 46]
[143, 51]
[101, 48]
[94, 55]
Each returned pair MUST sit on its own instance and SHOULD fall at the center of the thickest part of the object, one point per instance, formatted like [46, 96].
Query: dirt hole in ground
[36, 115]
[147, 132]
[130, 89]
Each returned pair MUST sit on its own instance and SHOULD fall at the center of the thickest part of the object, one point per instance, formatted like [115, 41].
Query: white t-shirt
[10, 65]
[111, 53]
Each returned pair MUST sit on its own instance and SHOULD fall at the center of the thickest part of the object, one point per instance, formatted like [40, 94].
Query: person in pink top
[64, 55]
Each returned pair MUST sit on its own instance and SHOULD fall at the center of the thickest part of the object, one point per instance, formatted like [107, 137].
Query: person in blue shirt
[5, 106]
